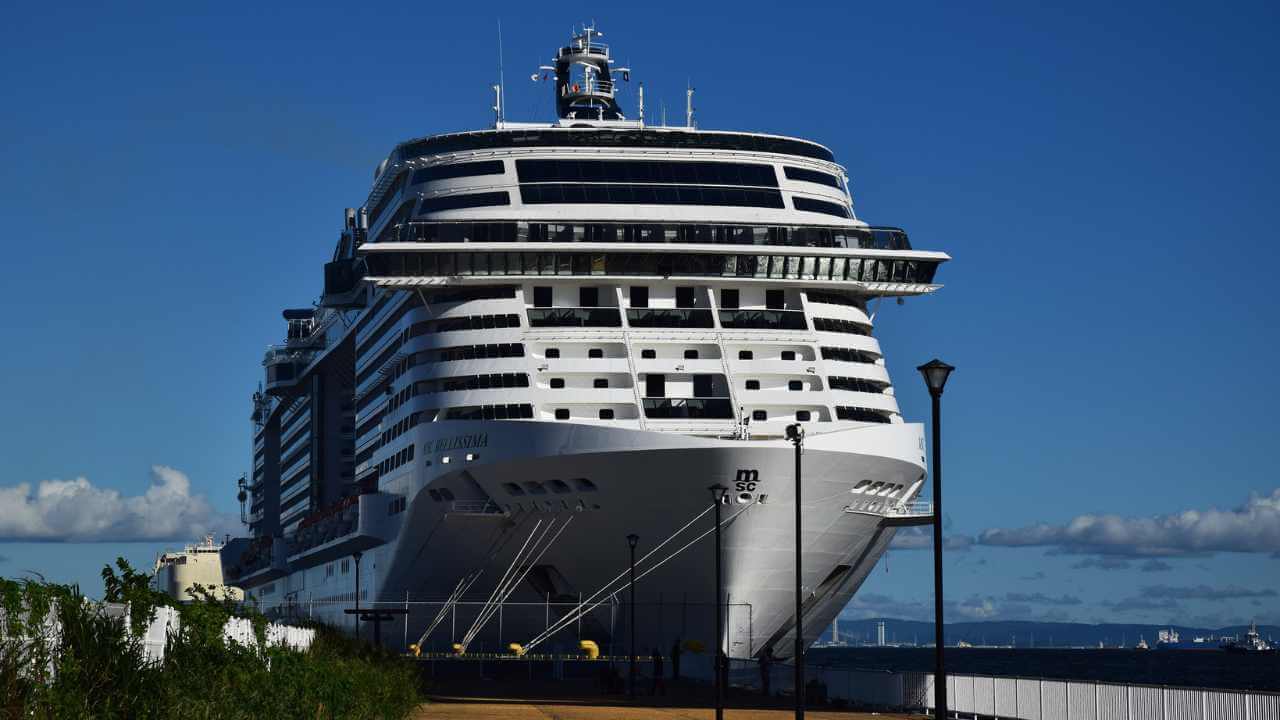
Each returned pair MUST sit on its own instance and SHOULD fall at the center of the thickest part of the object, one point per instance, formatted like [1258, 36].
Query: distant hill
[1028, 634]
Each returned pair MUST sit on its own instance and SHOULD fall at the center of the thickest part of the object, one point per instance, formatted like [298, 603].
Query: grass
[97, 669]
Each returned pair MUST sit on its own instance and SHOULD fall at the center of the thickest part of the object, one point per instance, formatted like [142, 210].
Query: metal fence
[1015, 698]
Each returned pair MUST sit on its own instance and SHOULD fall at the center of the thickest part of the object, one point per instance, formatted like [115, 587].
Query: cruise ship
[537, 340]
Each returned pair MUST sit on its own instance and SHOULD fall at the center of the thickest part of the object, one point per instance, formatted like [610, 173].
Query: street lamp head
[632, 539]
[718, 492]
[935, 373]
[795, 432]
[357, 555]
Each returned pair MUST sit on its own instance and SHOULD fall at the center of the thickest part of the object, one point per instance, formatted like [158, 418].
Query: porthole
[557, 383]
[562, 414]
[794, 385]
[744, 498]
[802, 415]
[595, 353]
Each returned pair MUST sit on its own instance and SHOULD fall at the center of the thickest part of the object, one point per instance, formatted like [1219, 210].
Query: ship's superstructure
[552, 336]
[183, 574]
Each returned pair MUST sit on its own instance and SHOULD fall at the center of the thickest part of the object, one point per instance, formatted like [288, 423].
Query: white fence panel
[1145, 703]
[1113, 702]
[1220, 705]
[1053, 700]
[1028, 699]
[1082, 701]
[962, 699]
[1263, 706]
[1006, 697]
[1183, 704]
[984, 695]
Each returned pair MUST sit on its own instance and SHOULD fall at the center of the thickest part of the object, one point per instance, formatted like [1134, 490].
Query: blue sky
[1102, 175]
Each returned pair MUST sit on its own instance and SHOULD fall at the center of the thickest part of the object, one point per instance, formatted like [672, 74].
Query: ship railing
[763, 320]
[575, 317]
[669, 318]
[915, 508]
[711, 408]
[476, 507]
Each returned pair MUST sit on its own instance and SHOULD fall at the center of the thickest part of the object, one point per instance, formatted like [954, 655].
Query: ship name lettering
[476, 440]
[746, 480]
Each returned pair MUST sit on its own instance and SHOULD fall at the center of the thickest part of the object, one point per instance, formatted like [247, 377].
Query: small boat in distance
[1252, 643]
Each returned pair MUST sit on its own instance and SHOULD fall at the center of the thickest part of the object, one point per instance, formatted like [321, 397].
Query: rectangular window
[595, 353]
[702, 386]
[557, 383]
[729, 299]
[813, 176]
[690, 354]
[639, 296]
[589, 297]
[562, 414]
[819, 206]
[795, 385]
[802, 415]
[655, 386]
[759, 415]
[648, 354]
[745, 355]
[775, 299]
[472, 169]
[600, 383]
[459, 202]
[542, 297]
[788, 354]
[553, 353]
[646, 171]
[753, 384]
[684, 297]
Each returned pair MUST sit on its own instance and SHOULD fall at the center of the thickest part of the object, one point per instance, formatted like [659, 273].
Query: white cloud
[76, 510]
[1253, 528]
[921, 538]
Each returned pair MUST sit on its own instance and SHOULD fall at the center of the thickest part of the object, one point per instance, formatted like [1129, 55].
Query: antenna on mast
[498, 89]
[641, 103]
[688, 106]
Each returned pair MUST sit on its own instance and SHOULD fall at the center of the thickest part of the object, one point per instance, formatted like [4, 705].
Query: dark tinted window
[729, 299]
[788, 354]
[820, 206]
[802, 415]
[458, 202]
[647, 171]
[553, 353]
[759, 415]
[440, 172]
[600, 383]
[753, 384]
[606, 414]
[648, 354]
[589, 297]
[795, 385]
[639, 296]
[684, 297]
[775, 299]
[745, 355]
[557, 383]
[562, 414]
[690, 354]
[649, 195]
[813, 176]
[542, 297]
[595, 353]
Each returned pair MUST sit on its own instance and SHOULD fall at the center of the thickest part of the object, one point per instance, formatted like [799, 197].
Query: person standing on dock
[659, 683]
[675, 660]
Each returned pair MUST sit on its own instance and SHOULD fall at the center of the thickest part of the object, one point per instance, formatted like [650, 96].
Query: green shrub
[100, 671]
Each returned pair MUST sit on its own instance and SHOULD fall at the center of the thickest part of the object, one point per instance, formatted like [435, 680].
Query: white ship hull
[650, 484]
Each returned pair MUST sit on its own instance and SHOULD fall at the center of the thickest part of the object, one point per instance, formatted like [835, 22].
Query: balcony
[284, 366]
[763, 320]
[253, 561]
[669, 318]
[574, 317]
[713, 408]
[357, 522]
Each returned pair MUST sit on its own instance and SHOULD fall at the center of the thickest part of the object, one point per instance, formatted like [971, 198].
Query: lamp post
[935, 374]
[357, 555]
[795, 433]
[717, 497]
[632, 539]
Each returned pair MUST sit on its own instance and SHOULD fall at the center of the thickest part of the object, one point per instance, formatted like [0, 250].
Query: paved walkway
[496, 709]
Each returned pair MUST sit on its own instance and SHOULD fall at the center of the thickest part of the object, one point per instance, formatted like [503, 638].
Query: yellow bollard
[590, 648]
[516, 649]
[458, 649]
[413, 648]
